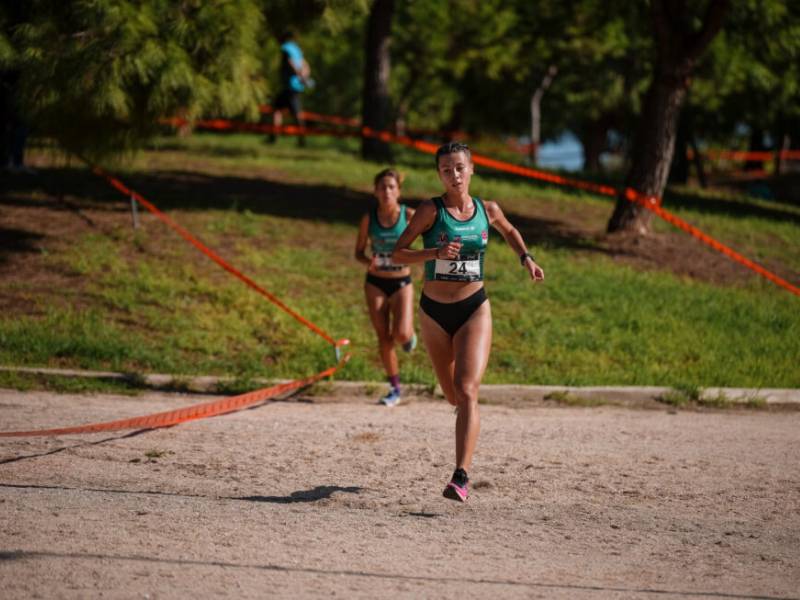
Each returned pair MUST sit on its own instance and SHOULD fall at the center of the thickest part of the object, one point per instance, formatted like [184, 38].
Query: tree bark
[677, 51]
[377, 67]
[455, 123]
[594, 137]
[536, 112]
[652, 154]
[783, 146]
[697, 159]
[679, 171]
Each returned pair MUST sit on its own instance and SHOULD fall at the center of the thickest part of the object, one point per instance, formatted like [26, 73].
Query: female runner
[455, 316]
[388, 286]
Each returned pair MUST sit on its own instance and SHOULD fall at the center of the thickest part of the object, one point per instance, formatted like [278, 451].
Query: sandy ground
[321, 499]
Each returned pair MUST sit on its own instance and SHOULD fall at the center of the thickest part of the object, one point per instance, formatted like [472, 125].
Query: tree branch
[712, 23]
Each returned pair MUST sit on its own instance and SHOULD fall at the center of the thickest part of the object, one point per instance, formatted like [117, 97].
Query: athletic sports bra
[473, 235]
[383, 239]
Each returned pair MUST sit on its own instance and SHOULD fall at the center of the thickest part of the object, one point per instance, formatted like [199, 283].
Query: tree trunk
[756, 145]
[594, 136]
[536, 112]
[652, 154]
[678, 48]
[679, 172]
[783, 146]
[377, 67]
[455, 123]
[697, 159]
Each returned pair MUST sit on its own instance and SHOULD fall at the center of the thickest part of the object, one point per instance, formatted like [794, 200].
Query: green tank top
[473, 235]
[383, 239]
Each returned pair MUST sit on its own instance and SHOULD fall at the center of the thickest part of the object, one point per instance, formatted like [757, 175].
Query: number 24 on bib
[458, 270]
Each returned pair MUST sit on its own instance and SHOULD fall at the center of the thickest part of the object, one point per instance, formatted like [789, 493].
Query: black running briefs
[452, 315]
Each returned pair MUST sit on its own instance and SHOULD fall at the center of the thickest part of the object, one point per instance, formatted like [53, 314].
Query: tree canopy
[98, 75]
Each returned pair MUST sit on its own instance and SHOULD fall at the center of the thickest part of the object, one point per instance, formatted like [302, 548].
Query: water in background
[564, 153]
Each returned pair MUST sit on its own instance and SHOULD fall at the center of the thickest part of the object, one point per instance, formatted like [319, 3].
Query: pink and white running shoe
[457, 488]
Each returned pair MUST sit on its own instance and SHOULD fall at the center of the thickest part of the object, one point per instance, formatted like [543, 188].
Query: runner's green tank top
[473, 235]
[383, 239]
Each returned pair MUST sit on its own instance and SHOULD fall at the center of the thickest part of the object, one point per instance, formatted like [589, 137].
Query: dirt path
[321, 499]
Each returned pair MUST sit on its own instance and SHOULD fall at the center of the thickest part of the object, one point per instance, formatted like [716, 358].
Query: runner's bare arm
[422, 220]
[513, 238]
[361, 242]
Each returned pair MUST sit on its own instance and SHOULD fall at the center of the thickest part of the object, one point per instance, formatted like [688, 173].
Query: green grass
[762, 230]
[287, 217]
[69, 385]
[569, 399]
[682, 396]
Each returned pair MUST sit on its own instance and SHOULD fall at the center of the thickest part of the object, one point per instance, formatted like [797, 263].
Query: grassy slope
[149, 302]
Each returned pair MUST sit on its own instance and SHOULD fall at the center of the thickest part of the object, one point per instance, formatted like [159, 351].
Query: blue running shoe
[410, 344]
[392, 398]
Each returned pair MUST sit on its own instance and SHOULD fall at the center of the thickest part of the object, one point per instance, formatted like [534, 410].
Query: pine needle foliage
[100, 75]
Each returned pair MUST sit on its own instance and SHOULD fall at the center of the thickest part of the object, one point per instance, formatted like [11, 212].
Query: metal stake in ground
[135, 212]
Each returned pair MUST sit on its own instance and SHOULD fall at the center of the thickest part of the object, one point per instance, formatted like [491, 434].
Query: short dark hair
[452, 148]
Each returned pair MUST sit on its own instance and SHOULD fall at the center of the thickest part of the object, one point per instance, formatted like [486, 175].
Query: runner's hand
[534, 270]
[451, 250]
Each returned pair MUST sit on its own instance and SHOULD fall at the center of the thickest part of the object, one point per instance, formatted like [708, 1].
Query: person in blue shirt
[455, 316]
[295, 79]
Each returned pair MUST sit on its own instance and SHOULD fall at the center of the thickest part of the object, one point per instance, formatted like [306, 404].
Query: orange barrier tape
[189, 413]
[183, 232]
[651, 203]
[743, 175]
[654, 204]
[738, 155]
[226, 125]
[208, 409]
[743, 155]
[312, 116]
[351, 122]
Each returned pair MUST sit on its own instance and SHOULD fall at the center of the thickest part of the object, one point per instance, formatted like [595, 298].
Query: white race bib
[384, 262]
[458, 269]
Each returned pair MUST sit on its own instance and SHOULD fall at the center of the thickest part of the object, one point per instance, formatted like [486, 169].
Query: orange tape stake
[208, 409]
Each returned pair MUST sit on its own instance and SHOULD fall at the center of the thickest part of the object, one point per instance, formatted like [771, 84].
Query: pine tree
[98, 75]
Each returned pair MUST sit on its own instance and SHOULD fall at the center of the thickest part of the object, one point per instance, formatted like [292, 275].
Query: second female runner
[388, 288]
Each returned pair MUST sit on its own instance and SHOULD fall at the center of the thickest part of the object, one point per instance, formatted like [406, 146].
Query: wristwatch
[525, 255]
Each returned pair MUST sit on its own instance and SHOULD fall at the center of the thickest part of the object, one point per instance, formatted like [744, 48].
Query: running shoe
[410, 344]
[392, 398]
[457, 488]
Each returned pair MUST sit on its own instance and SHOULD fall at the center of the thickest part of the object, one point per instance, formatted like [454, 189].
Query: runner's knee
[466, 391]
[402, 336]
